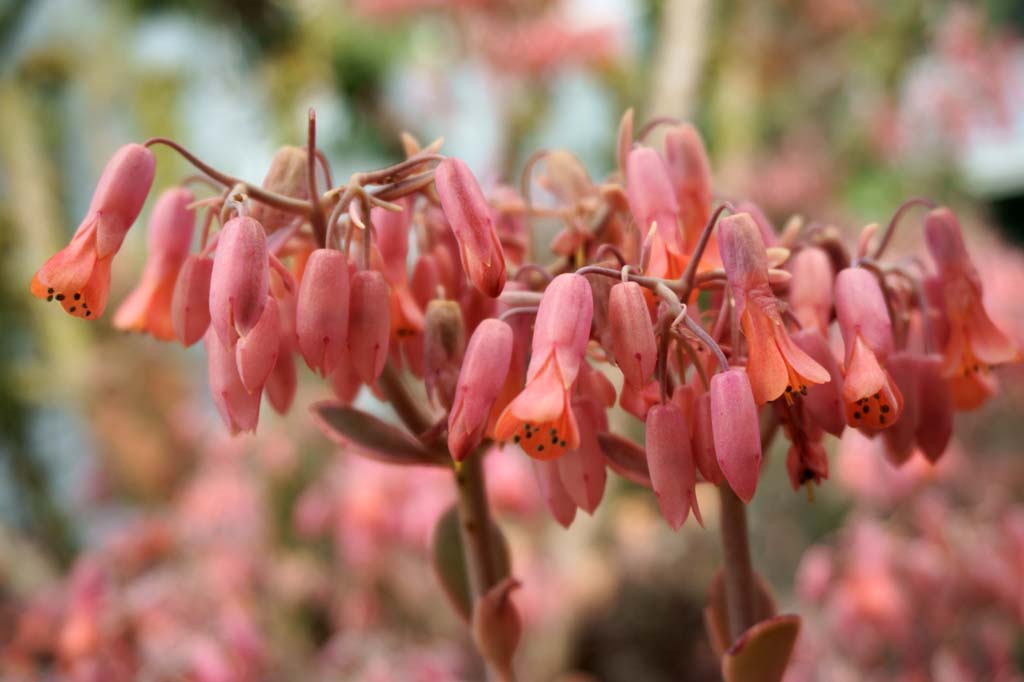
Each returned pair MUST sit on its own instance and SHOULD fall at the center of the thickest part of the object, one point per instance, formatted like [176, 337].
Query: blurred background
[136, 535]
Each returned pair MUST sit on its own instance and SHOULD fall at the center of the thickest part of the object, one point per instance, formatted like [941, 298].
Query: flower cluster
[703, 322]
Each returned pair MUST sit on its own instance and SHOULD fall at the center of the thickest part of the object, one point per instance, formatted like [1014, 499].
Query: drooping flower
[190, 302]
[671, 463]
[444, 342]
[582, 468]
[322, 310]
[148, 307]
[776, 365]
[481, 378]
[470, 218]
[240, 279]
[540, 418]
[810, 290]
[690, 171]
[872, 399]
[704, 440]
[256, 352]
[823, 402]
[633, 342]
[238, 408]
[736, 430]
[652, 201]
[974, 344]
[369, 324]
[78, 276]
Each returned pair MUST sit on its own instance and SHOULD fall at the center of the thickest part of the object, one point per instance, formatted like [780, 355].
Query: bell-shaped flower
[481, 378]
[652, 201]
[806, 462]
[582, 469]
[671, 463]
[557, 499]
[935, 407]
[78, 276]
[470, 218]
[974, 344]
[540, 418]
[776, 365]
[148, 307]
[322, 310]
[810, 289]
[900, 438]
[736, 430]
[282, 383]
[633, 342]
[369, 324]
[190, 302]
[238, 408]
[872, 399]
[690, 172]
[704, 440]
[240, 279]
[823, 402]
[256, 352]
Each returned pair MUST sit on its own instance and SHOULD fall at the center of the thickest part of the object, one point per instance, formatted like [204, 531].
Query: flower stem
[738, 571]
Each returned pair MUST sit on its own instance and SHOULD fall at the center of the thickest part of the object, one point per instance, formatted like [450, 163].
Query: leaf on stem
[761, 654]
[626, 458]
[449, 560]
[371, 437]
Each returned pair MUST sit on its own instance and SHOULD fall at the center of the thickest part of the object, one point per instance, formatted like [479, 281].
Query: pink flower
[810, 290]
[540, 418]
[470, 217]
[736, 430]
[148, 308]
[256, 352]
[190, 302]
[672, 466]
[652, 201]
[481, 378]
[322, 310]
[634, 345]
[558, 501]
[823, 402]
[369, 324]
[704, 440]
[582, 468]
[238, 408]
[690, 171]
[240, 279]
[871, 397]
[78, 276]
[444, 342]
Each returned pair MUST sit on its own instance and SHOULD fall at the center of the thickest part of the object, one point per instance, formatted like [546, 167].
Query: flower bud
[549, 482]
[900, 437]
[690, 172]
[322, 310]
[238, 408]
[704, 440]
[761, 220]
[810, 291]
[935, 408]
[736, 429]
[470, 218]
[120, 195]
[650, 193]
[148, 307]
[823, 402]
[443, 345]
[369, 324]
[283, 382]
[582, 469]
[633, 342]
[670, 460]
[391, 229]
[497, 627]
[256, 352]
[861, 310]
[287, 175]
[240, 279]
[480, 380]
[563, 324]
[190, 303]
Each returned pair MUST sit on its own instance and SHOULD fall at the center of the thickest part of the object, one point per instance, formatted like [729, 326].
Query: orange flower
[974, 344]
[776, 365]
[540, 419]
[78, 276]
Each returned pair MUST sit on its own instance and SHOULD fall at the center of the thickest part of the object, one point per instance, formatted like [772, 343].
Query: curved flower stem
[316, 211]
[891, 227]
[280, 201]
[737, 569]
[686, 281]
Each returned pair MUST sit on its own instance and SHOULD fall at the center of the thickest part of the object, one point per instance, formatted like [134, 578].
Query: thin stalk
[316, 211]
[686, 281]
[891, 227]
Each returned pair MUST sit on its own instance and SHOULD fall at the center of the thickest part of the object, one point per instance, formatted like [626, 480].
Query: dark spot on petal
[49, 298]
[561, 443]
[878, 396]
[867, 408]
[540, 448]
[78, 297]
[88, 313]
[72, 309]
[856, 415]
[49, 290]
[881, 420]
[516, 439]
[885, 409]
[789, 389]
[60, 297]
[554, 440]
